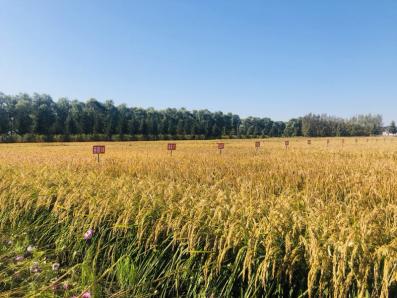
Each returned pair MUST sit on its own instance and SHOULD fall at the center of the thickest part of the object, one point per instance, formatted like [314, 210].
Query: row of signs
[221, 146]
[100, 149]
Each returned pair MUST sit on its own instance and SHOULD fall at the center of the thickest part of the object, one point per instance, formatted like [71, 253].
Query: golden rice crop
[312, 220]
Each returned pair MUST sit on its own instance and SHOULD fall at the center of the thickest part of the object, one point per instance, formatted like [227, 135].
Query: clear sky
[278, 59]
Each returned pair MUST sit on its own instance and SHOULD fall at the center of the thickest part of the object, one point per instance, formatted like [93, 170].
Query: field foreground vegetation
[313, 220]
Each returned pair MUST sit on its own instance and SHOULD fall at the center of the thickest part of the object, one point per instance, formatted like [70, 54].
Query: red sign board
[171, 146]
[286, 143]
[98, 149]
[257, 144]
[221, 146]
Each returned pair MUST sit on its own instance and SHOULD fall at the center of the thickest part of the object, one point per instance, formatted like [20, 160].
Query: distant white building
[388, 134]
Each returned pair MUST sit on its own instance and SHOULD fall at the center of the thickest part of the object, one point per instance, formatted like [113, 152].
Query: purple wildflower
[86, 295]
[55, 287]
[55, 266]
[35, 268]
[19, 258]
[88, 235]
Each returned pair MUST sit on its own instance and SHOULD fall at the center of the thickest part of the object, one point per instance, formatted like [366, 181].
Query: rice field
[307, 221]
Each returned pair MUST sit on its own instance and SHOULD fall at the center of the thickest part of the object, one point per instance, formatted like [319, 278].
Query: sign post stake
[221, 146]
[98, 149]
[171, 147]
[257, 145]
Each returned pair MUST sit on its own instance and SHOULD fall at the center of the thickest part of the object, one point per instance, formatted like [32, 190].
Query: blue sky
[278, 59]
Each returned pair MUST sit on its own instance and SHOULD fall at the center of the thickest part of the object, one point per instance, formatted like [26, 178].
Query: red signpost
[286, 144]
[171, 147]
[257, 145]
[98, 149]
[221, 146]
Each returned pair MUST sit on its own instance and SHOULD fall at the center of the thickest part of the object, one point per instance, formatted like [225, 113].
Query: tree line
[38, 117]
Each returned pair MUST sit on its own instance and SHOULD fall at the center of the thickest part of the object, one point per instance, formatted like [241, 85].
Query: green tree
[5, 115]
[293, 128]
[43, 114]
[23, 115]
[392, 128]
[111, 118]
[216, 131]
[62, 109]
[180, 127]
